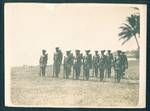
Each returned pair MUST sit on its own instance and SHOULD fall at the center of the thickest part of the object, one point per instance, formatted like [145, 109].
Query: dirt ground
[27, 88]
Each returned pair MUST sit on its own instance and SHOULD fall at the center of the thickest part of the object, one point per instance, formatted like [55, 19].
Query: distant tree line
[133, 54]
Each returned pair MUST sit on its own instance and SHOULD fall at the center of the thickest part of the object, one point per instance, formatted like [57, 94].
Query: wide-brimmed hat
[43, 50]
[96, 51]
[118, 51]
[108, 50]
[77, 50]
[123, 52]
[68, 51]
[57, 48]
[102, 51]
[87, 51]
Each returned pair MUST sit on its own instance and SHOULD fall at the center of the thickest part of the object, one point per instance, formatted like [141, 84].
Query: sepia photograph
[75, 55]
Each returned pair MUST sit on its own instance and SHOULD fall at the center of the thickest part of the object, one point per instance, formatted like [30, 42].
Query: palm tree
[131, 29]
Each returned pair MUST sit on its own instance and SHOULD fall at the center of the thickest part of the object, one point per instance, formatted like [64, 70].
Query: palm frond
[125, 41]
[132, 20]
[130, 29]
[125, 35]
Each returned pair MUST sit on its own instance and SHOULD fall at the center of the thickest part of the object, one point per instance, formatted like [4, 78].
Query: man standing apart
[57, 62]
[67, 64]
[43, 62]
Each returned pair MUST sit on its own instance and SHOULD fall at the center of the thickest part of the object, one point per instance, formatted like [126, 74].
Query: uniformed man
[124, 63]
[60, 56]
[67, 64]
[118, 66]
[77, 64]
[72, 61]
[87, 64]
[43, 62]
[102, 65]
[57, 62]
[96, 59]
[109, 58]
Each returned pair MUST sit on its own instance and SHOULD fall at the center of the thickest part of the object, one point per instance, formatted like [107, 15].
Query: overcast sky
[29, 28]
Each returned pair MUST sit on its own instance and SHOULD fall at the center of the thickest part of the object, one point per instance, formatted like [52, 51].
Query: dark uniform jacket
[88, 61]
[118, 63]
[96, 60]
[103, 62]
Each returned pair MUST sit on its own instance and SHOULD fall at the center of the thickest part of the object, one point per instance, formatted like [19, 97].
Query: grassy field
[27, 88]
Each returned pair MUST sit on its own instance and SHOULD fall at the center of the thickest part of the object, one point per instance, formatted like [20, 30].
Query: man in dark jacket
[124, 63]
[67, 64]
[87, 64]
[43, 62]
[96, 60]
[118, 66]
[102, 65]
[77, 64]
[109, 58]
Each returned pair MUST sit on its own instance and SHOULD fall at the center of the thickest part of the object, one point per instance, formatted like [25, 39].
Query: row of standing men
[99, 64]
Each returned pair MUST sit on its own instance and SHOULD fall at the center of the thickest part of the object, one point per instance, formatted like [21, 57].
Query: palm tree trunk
[137, 42]
[138, 53]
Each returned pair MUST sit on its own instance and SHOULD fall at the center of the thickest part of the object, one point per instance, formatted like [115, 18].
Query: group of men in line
[99, 64]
